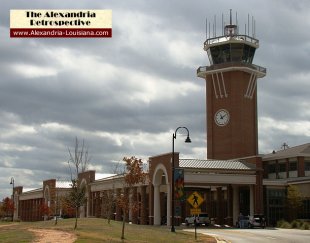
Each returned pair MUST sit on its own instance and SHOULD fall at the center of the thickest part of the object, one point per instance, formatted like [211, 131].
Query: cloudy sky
[127, 94]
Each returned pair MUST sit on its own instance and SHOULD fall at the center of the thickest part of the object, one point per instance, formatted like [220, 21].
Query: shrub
[296, 224]
[283, 224]
[305, 226]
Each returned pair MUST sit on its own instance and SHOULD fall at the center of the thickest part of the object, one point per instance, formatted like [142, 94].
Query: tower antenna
[230, 17]
[209, 29]
[249, 24]
[222, 24]
[214, 25]
[237, 22]
[252, 26]
[206, 28]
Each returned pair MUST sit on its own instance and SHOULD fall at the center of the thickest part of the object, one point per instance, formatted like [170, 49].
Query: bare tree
[78, 160]
[134, 175]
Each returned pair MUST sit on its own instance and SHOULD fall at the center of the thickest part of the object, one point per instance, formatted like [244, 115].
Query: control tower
[231, 92]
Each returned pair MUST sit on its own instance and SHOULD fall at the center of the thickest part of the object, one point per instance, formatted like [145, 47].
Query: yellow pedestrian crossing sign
[195, 199]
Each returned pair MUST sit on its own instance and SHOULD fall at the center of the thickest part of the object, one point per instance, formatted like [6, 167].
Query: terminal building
[234, 180]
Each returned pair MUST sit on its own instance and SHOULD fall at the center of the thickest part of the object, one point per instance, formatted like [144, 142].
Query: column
[156, 205]
[236, 210]
[169, 205]
[87, 206]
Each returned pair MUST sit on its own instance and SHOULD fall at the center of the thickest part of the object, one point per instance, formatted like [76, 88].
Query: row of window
[233, 52]
[281, 167]
[276, 199]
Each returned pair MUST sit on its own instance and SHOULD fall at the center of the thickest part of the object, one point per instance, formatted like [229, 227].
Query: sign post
[195, 200]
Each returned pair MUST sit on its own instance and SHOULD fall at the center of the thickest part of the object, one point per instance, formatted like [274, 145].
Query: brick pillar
[135, 205]
[144, 215]
[287, 161]
[118, 210]
[96, 204]
[151, 204]
[102, 196]
[301, 166]
[126, 194]
[31, 210]
[41, 203]
[98, 211]
[21, 210]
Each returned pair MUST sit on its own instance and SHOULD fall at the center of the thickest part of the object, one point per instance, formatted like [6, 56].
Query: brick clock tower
[231, 94]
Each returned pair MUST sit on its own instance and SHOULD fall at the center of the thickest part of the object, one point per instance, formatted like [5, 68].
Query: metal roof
[99, 176]
[300, 150]
[31, 190]
[216, 164]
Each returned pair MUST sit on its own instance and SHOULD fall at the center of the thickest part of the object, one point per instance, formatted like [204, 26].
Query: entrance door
[244, 200]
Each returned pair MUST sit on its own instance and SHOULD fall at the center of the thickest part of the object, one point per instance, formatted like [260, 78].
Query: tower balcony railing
[228, 66]
[224, 38]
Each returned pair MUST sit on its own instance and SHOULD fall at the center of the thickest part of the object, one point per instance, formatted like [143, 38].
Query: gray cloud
[127, 95]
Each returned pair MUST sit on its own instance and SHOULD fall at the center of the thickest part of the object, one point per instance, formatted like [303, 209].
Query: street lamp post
[187, 140]
[12, 183]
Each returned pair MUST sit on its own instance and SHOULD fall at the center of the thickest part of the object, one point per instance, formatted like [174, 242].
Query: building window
[275, 205]
[307, 166]
[282, 167]
[305, 214]
[293, 166]
[272, 168]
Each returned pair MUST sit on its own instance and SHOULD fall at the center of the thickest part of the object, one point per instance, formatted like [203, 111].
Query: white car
[251, 221]
[202, 218]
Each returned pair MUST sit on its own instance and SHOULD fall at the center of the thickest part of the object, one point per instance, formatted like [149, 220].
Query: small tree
[294, 201]
[134, 175]
[79, 161]
[45, 210]
[7, 207]
[109, 198]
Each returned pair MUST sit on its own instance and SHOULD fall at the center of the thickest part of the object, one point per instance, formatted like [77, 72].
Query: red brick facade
[239, 137]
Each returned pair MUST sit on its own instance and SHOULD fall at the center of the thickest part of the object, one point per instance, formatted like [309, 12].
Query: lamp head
[188, 140]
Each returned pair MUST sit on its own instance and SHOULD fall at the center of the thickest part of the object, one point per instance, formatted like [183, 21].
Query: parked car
[251, 221]
[243, 222]
[202, 218]
[257, 220]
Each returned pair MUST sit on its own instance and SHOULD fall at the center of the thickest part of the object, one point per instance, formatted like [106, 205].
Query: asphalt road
[257, 235]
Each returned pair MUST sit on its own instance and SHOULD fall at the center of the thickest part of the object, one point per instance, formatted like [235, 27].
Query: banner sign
[69, 23]
[179, 184]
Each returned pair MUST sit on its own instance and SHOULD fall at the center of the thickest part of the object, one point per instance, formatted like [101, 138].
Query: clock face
[221, 117]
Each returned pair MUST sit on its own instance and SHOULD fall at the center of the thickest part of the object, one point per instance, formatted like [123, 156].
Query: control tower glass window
[232, 52]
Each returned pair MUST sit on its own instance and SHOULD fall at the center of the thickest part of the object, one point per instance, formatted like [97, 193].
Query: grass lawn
[98, 230]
